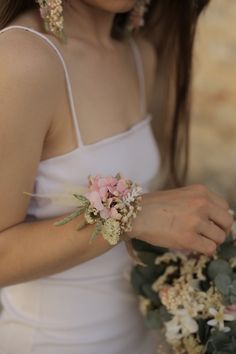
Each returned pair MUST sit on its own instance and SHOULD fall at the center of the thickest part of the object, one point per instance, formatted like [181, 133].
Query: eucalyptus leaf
[203, 331]
[150, 294]
[151, 273]
[223, 283]
[233, 287]
[164, 314]
[137, 280]
[227, 250]
[218, 266]
[217, 342]
[147, 258]
[153, 320]
[232, 326]
[232, 299]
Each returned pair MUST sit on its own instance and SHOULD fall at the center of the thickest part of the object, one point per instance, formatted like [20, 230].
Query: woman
[80, 107]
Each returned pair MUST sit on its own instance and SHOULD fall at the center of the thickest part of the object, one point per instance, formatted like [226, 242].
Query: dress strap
[140, 71]
[68, 81]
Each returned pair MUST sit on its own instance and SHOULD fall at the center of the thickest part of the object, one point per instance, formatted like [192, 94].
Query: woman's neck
[88, 22]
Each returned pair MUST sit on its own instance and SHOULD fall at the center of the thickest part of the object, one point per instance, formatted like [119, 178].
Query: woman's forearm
[32, 250]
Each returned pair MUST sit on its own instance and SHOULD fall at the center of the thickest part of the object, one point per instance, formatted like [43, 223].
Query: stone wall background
[213, 133]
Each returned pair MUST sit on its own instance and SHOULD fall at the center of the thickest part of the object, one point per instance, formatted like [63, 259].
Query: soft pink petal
[95, 200]
[103, 193]
[122, 185]
[114, 213]
[105, 213]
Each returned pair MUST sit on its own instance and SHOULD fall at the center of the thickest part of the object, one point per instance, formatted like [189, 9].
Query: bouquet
[191, 297]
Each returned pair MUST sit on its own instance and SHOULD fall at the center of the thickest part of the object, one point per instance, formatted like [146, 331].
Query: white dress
[90, 308]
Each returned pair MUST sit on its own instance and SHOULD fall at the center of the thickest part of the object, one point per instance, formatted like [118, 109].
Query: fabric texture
[90, 308]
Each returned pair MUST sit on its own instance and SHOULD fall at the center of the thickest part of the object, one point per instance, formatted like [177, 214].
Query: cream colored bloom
[219, 319]
[180, 326]
[111, 231]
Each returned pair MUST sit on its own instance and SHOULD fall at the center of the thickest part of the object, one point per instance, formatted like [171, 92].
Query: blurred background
[213, 133]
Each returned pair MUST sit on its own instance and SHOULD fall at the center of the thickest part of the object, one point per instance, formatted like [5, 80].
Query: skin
[176, 218]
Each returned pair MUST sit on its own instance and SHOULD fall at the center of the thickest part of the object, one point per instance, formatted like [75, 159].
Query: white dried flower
[219, 319]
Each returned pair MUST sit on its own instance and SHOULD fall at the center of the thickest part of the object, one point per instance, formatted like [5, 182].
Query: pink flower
[104, 192]
[105, 213]
[95, 199]
[232, 310]
[122, 186]
[115, 214]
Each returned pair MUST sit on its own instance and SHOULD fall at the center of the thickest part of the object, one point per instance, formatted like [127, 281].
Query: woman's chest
[134, 154]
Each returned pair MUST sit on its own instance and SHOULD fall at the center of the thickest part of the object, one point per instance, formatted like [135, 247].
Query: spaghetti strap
[68, 81]
[140, 71]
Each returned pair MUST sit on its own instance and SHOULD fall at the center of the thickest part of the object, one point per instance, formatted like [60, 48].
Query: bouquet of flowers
[191, 297]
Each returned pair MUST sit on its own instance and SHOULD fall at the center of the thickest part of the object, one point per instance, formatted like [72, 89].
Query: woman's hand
[190, 218]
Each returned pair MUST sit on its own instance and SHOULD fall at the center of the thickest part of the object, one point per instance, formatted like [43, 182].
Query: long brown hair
[171, 26]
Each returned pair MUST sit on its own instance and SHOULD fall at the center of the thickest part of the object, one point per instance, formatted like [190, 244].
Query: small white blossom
[131, 196]
[180, 326]
[219, 317]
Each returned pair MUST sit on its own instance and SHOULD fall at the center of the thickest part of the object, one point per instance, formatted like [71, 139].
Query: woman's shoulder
[23, 50]
[30, 77]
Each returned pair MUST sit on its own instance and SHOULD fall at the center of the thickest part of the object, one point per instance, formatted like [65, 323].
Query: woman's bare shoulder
[28, 63]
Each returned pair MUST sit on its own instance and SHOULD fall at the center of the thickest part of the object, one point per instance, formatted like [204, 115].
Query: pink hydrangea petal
[103, 193]
[111, 189]
[231, 308]
[93, 183]
[105, 213]
[109, 201]
[122, 185]
[95, 200]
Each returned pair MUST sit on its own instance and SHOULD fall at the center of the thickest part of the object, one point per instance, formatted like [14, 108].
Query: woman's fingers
[218, 200]
[213, 232]
[203, 245]
[221, 217]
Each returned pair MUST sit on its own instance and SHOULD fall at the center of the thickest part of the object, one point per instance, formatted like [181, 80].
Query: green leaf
[204, 331]
[227, 250]
[150, 294]
[82, 199]
[217, 342]
[218, 266]
[151, 273]
[232, 326]
[147, 258]
[70, 217]
[233, 287]
[97, 230]
[164, 314]
[153, 320]
[137, 280]
[232, 299]
[223, 283]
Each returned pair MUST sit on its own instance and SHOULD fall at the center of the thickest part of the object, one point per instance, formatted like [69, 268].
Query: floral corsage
[110, 203]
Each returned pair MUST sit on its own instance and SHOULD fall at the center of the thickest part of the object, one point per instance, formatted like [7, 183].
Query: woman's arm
[29, 93]
[36, 249]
